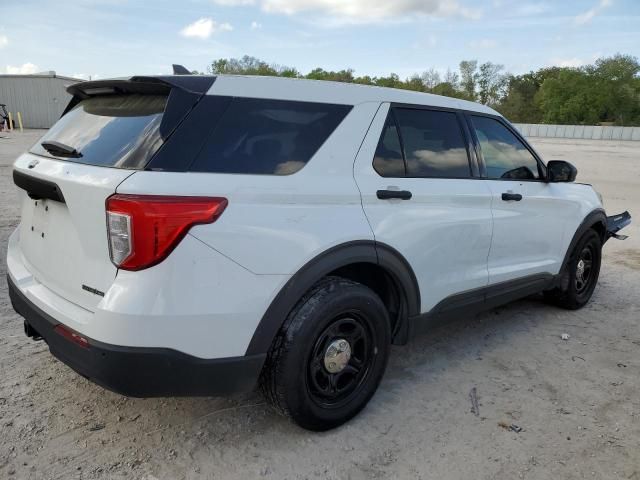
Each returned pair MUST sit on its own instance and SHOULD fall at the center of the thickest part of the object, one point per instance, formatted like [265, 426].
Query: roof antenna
[180, 70]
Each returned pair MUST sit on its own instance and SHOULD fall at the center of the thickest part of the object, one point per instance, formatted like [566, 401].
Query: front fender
[596, 219]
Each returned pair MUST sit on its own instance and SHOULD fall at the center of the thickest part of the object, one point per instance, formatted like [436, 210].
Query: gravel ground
[577, 401]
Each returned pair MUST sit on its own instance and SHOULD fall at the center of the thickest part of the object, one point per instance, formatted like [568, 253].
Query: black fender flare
[597, 216]
[362, 251]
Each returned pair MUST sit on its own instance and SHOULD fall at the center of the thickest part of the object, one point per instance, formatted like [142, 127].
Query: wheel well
[382, 283]
[600, 229]
[376, 265]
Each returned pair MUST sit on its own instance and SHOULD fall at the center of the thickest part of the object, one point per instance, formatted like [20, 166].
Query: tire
[576, 288]
[297, 378]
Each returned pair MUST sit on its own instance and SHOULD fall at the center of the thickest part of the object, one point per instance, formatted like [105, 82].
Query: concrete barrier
[588, 132]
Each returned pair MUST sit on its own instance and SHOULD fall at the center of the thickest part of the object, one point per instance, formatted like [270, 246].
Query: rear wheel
[329, 356]
[581, 275]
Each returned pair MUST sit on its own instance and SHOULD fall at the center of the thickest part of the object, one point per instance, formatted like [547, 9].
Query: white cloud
[255, 25]
[530, 9]
[24, 69]
[204, 28]
[363, 11]
[587, 16]
[4, 41]
[568, 62]
[573, 62]
[483, 43]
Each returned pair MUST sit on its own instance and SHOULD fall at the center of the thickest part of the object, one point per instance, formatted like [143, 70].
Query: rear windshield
[113, 131]
[272, 137]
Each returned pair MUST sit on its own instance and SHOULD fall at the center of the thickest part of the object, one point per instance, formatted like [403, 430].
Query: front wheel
[330, 355]
[581, 275]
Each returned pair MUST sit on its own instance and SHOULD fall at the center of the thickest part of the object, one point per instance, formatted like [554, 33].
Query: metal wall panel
[40, 99]
[588, 132]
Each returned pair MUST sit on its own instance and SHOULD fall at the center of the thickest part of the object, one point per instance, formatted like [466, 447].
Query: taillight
[144, 229]
[72, 336]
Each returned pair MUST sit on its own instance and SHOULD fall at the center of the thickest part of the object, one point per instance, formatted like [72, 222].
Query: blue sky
[106, 38]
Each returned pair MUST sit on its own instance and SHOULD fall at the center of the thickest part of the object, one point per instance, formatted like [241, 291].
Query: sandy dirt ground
[577, 401]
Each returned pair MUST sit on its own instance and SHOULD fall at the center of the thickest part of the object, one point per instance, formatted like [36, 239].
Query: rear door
[529, 215]
[65, 180]
[421, 195]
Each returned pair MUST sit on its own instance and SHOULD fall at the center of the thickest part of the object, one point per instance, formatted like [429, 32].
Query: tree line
[605, 92]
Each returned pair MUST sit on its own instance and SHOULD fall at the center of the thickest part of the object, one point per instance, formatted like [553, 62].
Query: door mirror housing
[561, 171]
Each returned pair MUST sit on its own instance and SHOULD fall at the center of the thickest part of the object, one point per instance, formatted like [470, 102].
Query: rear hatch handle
[615, 223]
[37, 188]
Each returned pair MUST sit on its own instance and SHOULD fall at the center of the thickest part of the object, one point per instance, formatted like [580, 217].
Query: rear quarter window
[270, 137]
[113, 130]
[433, 144]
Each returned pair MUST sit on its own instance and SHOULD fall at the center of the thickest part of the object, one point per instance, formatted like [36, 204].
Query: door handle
[508, 196]
[389, 194]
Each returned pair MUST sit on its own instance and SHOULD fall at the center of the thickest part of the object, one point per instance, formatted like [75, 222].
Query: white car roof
[280, 88]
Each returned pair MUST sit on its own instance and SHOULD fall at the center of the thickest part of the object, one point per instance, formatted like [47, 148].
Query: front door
[529, 214]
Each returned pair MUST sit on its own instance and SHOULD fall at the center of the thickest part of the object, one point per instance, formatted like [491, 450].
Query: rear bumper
[140, 371]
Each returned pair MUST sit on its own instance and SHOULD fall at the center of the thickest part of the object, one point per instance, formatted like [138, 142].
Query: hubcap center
[337, 355]
[580, 269]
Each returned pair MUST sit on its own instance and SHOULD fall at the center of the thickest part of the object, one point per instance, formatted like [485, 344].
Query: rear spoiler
[184, 91]
[198, 84]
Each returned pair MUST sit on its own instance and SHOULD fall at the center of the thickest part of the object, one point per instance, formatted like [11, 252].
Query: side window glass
[433, 143]
[388, 161]
[504, 155]
[271, 137]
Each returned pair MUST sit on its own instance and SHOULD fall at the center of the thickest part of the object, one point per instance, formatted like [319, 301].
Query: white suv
[193, 235]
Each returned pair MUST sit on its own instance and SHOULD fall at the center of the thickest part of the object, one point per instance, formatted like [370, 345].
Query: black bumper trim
[141, 371]
[615, 223]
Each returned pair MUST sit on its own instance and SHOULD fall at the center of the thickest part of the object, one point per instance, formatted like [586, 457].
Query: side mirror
[561, 171]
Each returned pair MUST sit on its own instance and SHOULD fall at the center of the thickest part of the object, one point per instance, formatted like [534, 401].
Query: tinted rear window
[388, 161]
[112, 131]
[433, 143]
[275, 137]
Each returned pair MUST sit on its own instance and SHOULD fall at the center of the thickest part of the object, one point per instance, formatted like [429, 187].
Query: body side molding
[480, 299]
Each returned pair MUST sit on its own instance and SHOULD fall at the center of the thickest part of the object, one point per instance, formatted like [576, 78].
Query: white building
[40, 98]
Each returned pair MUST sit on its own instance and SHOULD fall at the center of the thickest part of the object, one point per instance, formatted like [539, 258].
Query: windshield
[119, 131]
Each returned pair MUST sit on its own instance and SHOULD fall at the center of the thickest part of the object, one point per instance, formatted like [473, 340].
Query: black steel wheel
[329, 357]
[340, 361]
[584, 268]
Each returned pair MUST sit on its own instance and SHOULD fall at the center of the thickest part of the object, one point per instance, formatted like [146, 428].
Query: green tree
[250, 66]
[448, 89]
[339, 76]
[469, 78]
[616, 78]
[392, 81]
[492, 83]
[430, 78]
[570, 97]
[607, 91]
[416, 83]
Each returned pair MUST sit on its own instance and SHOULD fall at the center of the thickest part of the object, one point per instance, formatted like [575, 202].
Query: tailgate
[63, 235]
